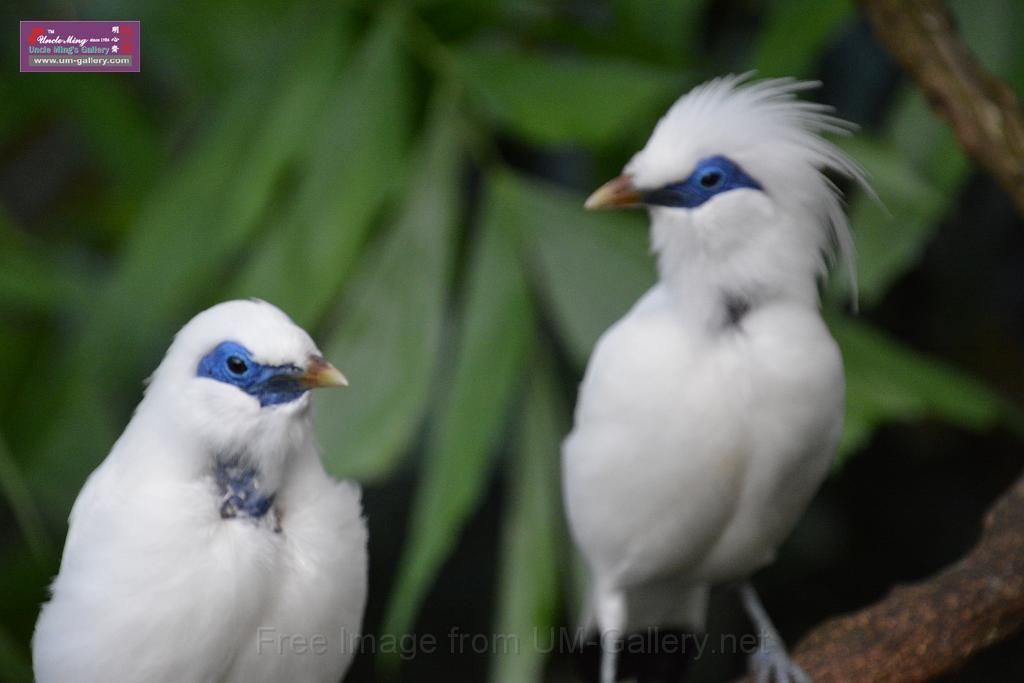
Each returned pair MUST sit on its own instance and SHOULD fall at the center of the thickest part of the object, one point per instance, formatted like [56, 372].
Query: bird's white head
[238, 372]
[733, 177]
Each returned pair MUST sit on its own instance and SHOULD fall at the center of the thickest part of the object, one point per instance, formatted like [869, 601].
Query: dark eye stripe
[232, 363]
[710, 177]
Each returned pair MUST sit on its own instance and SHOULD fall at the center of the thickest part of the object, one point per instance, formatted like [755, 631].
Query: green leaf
[14, 664]
[189, 231]
[528, 595]
[552, 100]
[888, 382]
[121, 137]
[667, 29]
[590, 267]
[31, 277]
[916, 170]
[24, 506]
[495, 331]
[348, 174]
[32, 285]
[994, 36]
[391, 322]
[890, 235]
[205, 215]
[792, 39]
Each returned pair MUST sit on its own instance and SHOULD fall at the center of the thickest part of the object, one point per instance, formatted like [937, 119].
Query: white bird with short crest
[211, 545]
[709, 414]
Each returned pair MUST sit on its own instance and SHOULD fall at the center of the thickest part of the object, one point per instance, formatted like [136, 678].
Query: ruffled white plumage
[155, 585]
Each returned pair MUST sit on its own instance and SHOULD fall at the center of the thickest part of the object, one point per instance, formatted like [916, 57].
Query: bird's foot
[771, 663]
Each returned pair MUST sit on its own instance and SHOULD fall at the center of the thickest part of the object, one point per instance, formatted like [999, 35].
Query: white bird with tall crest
[710, 413]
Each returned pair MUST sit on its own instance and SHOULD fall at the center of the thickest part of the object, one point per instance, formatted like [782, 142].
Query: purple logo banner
[80, 46]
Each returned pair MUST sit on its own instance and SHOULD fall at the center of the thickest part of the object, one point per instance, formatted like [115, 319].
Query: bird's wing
[652, 467]
[794, 419]
[150, 571]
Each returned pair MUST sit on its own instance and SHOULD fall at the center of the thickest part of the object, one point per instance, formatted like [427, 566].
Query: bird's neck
[720, 264]
[714, 294]
[242, 487]
[270, 453]
[260, 452]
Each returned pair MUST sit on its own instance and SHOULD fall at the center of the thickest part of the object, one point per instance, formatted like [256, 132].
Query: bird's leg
[771, 662]
[611, 618]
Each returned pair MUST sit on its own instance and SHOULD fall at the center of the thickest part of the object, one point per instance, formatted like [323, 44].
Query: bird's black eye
[237, 365]
[710, 179]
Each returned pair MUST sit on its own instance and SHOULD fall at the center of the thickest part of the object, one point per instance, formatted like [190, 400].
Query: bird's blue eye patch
[711, 176]
[231, 363]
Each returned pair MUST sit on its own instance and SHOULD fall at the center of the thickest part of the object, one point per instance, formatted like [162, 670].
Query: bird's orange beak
[616, 193]
[319, 373]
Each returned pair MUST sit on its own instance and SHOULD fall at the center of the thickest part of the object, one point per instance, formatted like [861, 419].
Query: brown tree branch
[982, 110]
[933, 627]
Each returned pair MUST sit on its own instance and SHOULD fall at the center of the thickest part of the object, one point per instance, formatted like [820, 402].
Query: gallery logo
[80, 46]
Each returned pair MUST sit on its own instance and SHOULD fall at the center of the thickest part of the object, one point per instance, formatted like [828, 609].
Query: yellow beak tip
[332, 377]
[322, 374]
[616, 193]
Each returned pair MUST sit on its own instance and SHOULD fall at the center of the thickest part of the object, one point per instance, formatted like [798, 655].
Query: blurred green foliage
[352, 164]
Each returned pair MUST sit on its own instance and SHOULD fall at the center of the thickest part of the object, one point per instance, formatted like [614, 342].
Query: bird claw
[772, 664]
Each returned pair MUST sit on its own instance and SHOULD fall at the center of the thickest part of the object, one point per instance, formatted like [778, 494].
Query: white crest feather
[771, 133]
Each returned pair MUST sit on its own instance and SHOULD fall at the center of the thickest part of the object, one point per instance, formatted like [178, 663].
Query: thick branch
[982, 110]
[925, 629]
